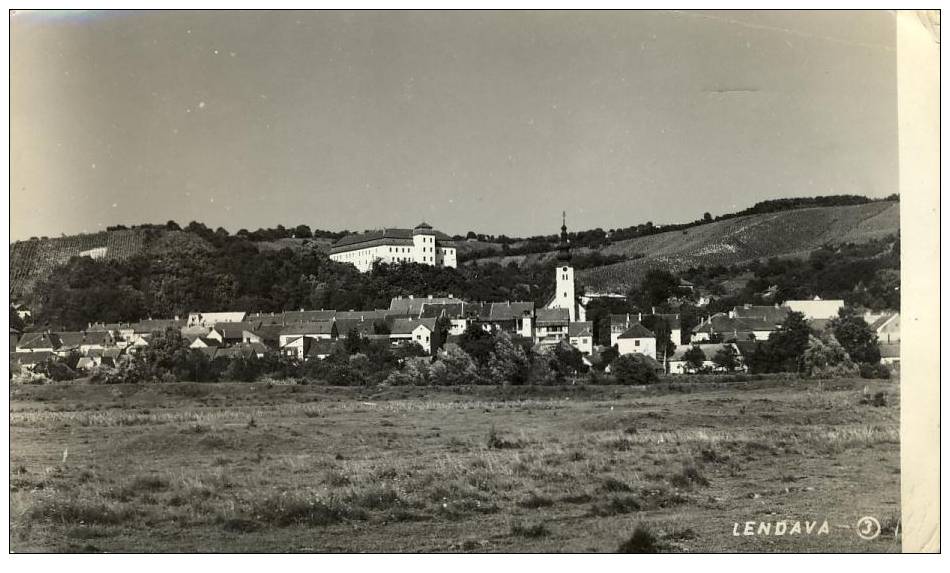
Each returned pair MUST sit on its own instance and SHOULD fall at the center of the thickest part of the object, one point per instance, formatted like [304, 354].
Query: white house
[320, 330]
[422, 331]
[638, 339]
[887, 326]
[581, 336]
[421, 245]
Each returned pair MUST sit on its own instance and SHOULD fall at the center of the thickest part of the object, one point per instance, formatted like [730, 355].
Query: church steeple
[564, 247]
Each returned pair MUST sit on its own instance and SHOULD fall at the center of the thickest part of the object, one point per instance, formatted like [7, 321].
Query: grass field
[257, 467]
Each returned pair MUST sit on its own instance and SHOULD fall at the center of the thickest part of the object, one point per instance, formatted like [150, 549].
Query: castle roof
[396, 237]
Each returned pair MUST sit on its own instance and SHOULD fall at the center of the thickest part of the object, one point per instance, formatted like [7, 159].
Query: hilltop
[198, 266]
[791, 233]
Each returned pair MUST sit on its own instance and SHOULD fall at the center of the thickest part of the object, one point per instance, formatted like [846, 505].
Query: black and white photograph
[473, 281]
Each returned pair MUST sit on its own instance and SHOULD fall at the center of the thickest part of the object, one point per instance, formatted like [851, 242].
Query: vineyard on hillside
[31, 260]
[744, 239]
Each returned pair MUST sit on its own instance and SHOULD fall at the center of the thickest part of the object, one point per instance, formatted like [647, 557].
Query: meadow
[678, 467]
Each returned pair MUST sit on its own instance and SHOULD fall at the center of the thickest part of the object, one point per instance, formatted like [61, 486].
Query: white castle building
[421, 245]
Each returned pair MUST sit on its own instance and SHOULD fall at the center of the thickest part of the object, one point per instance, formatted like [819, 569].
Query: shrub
[633, 370]
[689, 476]
[531, 531]
[536, 501]
[876, 370]
[641, 541]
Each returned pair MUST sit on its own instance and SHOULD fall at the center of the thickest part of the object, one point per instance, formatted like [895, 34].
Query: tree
[477, 343]
[303, 232]
[354, 342]
[661, 328]
[695, 358]
[727, 358]
[656, 287]
[632, 369]
[707, 218]
[453, 367]
[172, 226]
[827, 359]
[787, 345]
[856, 336]
[508, 363]
[567, 361]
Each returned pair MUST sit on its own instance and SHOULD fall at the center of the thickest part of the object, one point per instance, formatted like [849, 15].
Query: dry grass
[172, 469]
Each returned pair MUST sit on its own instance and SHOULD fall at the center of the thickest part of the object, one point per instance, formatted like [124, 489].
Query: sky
[488, 121]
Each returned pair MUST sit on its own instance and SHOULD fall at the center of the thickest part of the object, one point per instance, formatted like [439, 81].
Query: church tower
[564, 295]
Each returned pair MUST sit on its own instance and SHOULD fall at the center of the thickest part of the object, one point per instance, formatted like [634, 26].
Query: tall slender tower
[564, 295]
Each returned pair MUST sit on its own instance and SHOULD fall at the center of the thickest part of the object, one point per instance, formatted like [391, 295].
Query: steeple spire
[564, 248]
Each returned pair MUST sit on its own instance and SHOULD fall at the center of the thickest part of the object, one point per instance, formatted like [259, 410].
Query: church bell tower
[564, 295]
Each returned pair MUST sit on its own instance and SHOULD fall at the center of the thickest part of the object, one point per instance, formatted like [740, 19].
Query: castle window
[564, 269]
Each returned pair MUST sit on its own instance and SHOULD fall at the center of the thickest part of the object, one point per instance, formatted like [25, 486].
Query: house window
[564, 269]
[636, 343]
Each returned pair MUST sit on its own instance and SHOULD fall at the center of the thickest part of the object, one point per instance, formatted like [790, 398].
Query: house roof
[576, 329]
[722, 323]
[773, 314]
[709, 350]
[637, 330]
[402, 326]
[302, 328]
[269, 332]
[290, 316]
[322, 348]
[235, 330]
[397, 237]
[156, 325]
[109, 327]
[31, 357]
[413, 306]
[77, 338]
[883, 320]
[552, 316]
[31, 340]
[216, 317]
[438, 310]
[208, 342]
[345, 325]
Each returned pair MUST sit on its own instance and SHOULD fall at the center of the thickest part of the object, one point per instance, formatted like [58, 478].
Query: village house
[552, 325]
[886, 325]
[620, 323]
[421, 331]
[581, 336]
[678, 364]
[421, 245]
[321, 330]
[637, 339]
[723, 327]
[38, 342]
